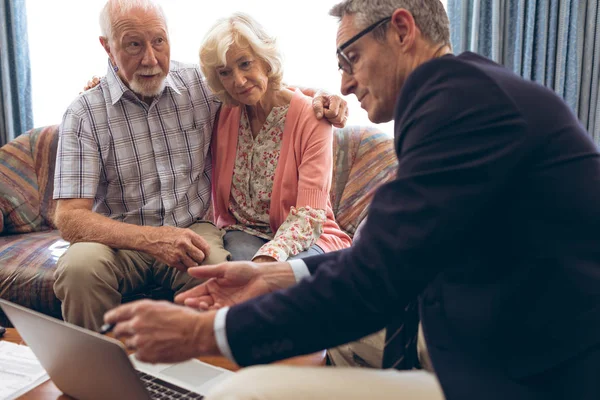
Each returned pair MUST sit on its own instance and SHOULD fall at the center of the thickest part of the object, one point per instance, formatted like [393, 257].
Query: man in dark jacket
[492, 224]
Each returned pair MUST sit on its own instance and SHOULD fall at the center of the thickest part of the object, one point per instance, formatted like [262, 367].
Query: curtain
[16, 114]
[553, 42]
[589, 98]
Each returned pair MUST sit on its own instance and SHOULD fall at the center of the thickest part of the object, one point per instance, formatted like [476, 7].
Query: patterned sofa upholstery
[30, 245]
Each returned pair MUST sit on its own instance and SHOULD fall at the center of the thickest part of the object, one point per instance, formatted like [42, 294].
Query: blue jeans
[243, 246]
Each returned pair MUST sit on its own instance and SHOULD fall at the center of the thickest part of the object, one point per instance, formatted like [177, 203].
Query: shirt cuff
[300, 269]
[221, 333]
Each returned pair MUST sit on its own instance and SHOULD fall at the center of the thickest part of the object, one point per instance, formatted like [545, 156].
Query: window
[66, 53]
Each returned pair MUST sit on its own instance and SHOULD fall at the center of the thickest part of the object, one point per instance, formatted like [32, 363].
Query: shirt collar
[117, 88]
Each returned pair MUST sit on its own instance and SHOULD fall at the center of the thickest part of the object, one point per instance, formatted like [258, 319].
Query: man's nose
[348, 84]
[149, 57]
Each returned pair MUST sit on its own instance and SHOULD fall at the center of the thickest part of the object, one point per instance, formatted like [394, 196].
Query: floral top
[251, 187]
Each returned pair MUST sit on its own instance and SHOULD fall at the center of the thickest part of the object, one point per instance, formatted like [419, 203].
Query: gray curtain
[16, 114]
[553, 42]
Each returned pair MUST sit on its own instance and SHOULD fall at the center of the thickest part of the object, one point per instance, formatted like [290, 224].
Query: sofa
[30, 245]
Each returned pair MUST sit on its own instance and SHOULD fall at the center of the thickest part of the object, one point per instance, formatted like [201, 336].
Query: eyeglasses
[344, 63]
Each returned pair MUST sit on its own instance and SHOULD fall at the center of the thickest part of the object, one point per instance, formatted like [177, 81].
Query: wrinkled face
[140, 49]
[244, 76]
[374, 71]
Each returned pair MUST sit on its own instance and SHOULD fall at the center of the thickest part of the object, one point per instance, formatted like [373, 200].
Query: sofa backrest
[26, 181]
[364, 158]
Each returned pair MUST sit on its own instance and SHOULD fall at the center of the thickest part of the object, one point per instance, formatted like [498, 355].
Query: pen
[104, 329]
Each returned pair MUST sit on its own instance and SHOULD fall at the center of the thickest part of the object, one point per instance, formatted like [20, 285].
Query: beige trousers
[91, 278]
[278, 382]
[366, 352]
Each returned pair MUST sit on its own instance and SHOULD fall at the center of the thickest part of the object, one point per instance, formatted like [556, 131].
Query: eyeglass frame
[340, 50]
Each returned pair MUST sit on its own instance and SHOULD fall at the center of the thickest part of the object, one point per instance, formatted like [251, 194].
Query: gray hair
[242, 30]
[115, 8]
[429, 15]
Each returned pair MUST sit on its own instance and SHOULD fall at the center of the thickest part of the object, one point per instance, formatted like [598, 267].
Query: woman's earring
[115, 68]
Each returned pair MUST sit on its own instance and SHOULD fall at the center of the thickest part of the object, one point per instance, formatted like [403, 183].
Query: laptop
[87, 365]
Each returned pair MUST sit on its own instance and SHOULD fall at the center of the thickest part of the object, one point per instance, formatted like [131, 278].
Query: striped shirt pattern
[142, 164]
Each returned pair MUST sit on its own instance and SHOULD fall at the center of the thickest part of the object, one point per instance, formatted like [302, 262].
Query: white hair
[242, 30]
[115, 8]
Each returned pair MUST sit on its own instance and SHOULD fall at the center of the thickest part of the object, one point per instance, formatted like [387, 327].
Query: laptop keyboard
[160, 389]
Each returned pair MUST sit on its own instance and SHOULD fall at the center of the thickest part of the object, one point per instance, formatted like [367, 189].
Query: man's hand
[235, 282]
[177, 247]
[332, 107]
[163, 332]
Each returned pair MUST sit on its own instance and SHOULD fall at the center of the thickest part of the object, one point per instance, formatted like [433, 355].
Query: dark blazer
[493, 221]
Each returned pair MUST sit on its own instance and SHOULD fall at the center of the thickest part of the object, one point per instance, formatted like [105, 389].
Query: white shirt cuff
[221, 333]
[300, 269]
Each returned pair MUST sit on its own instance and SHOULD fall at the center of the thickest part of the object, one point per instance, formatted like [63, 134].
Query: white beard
[147, 90]
[144, 88]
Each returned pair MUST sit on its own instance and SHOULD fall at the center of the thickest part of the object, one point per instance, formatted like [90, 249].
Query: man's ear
[104, 42]
[403, 27]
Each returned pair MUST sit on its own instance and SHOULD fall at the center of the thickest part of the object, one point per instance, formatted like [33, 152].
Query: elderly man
[133, 170]
[492, 224]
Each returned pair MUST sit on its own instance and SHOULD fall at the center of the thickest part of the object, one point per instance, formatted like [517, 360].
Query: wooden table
[48, 390]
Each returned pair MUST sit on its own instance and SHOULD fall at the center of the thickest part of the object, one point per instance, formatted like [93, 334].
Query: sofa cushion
[27, 275]
[26, 181]
[345, 146]
[364, 159]
[44, 143]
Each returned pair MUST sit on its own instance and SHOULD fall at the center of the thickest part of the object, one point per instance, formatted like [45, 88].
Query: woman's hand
[95, 81]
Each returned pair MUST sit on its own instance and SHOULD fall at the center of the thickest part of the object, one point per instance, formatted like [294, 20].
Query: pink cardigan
[303, 173]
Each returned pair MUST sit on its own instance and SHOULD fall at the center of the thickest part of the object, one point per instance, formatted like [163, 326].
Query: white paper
[20, 371]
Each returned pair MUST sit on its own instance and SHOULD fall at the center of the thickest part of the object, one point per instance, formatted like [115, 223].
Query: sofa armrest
[44, 144]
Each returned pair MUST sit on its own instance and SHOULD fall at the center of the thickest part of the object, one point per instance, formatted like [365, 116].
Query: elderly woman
[272, 158]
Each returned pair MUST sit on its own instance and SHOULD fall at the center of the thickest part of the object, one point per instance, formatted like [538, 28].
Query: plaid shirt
[143, 165]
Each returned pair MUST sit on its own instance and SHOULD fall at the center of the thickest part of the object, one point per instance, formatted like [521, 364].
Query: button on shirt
[142, 164]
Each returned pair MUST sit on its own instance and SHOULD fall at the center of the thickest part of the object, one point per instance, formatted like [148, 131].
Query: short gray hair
[115, 8]
[430, 16]
[242, 30]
